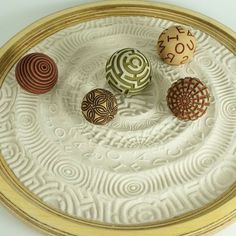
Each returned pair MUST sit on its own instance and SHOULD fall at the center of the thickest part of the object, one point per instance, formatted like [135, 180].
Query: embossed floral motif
[99, 106]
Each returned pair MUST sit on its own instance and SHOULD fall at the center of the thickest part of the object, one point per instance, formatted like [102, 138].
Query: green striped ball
[128, 71]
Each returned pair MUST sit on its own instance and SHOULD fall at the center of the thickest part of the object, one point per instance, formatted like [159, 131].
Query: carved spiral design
[70, 172]
[36, 73]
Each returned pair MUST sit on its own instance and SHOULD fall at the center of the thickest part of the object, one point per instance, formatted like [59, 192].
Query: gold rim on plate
[29, 207]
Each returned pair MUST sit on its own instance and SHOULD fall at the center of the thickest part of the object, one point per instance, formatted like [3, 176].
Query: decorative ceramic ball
[188, 98]
[128, 71]
[99, 106]
[176, 45]
[36, 73]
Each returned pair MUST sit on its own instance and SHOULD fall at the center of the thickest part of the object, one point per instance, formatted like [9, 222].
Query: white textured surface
[145, 165]
[19, 14]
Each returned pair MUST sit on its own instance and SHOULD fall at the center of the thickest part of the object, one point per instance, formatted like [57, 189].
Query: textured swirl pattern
[128, 71]
[99, 106]
[143, 166]
[36, 73]
[188, 98]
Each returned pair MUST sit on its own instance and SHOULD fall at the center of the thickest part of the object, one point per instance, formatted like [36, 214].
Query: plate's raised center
[145, 165]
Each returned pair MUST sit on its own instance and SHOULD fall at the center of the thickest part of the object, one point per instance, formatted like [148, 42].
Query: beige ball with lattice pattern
[188, 98]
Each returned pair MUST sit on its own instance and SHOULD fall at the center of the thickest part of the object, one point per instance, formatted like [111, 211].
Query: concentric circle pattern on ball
[176, 45]
[99, 106]
[36, 73]
[188, 98]
[128, 71]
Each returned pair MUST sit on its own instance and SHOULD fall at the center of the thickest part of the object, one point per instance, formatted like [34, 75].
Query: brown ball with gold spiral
[99, 106]
[188, 98]
[36, 73]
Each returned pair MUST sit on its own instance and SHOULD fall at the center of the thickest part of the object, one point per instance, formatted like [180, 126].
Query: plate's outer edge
[18, 199]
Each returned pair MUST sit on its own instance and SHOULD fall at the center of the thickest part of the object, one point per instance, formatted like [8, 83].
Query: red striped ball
[36, 73]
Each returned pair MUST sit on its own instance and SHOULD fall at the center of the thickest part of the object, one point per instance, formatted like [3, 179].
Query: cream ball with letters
[176, 45]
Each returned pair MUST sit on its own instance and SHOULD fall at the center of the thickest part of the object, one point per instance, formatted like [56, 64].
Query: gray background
[17, 14]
